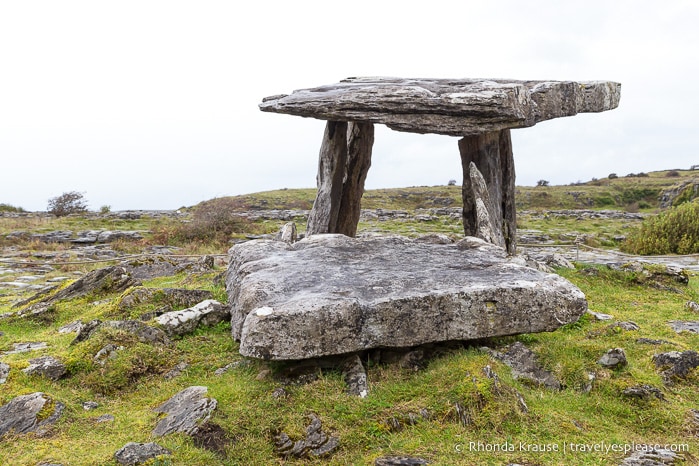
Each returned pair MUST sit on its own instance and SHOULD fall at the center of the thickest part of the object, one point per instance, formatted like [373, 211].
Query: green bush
[10, 208]
[68, 203]
[675, 231]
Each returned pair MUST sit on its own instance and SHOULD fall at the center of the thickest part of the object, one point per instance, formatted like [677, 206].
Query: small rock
[280, 393]
[73, 327]
[682, 326]
[206, 313]
[107, 352]
[233, 365]
[4, 372]
[629, 326]
[692, 306]
[133, 453]
[316, 444]
[599, 315]
[644, 392]
[86, 331]
[287, 233]
[413, 360]
[20, 415]
[676, 365]
[650, 341]
[525, 365]
[613, 359]
[399, 461]
[46, 366]
[355, 376]
[176, 371]
[104, 418]
[26, 347]
[185, 411]
[90, 405]
[650, 457]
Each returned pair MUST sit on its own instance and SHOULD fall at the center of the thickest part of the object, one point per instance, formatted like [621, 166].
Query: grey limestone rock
[4, 372]
[287, 233]
[454, 107]
[692, 306]
[355, 376]
[400, 461]
[316, 444]
[644, 392]
[20, 415]
[613, 359]
[525, 365]
[134, 453]
[675, 365]
[355, 294]
[46, 366]
[185, 411]
[650, 456]
[206, 313]
[684, 326]
[171, 297]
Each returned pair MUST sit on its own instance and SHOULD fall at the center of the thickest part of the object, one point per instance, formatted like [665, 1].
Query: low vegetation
[675, 231]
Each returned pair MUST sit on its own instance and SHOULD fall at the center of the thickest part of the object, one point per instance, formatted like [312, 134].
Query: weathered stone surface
[675, 365]
[46, 366]
[692, 306]
[185, 411]
[355, 376]
[4, 372]
[651, 456]
[525, 365]
[643, 392]
[358, 294]
[20, 415]
[455, 107]
[144, 333]
[26, 347]
[680, 326]
[287, 233]
[316, 444]
[171, 297]
[206, 313]
[133, 453]
[613, 359]
[400, 461]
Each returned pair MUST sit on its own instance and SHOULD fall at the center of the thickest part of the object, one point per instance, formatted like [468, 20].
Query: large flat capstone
[455, 107]
[331, 294]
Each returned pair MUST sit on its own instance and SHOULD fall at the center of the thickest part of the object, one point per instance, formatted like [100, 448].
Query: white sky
[153, 104]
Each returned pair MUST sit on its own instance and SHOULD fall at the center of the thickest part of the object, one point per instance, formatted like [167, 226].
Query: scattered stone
[650, 341]
[287, 233]
[26, 347]
[109, 351]
[86, 331]
[613, 359]
[185, 411]
[170, 297]
[144, 333]
[684, 326]
[280, 393]
[162, 266]
[675, 365]
[4, 372]
[525, 365]
[599, 315]
[57, 279]
[90, 405]
[651, 457]
[206, 313]
[23, 413]
[658, 275]
[233, 365]
[361, 293]
[58, 236]
[692, 306]
[400, 461]
[355, 377]
[644, 392]
[176, 371]
[212, 437]
[133, 453]
[46, 366]
[316, 444]
[104, 418]
[628, 326]
[73, 327]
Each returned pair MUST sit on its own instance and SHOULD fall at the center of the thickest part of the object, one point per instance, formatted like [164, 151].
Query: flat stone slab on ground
[331, 294]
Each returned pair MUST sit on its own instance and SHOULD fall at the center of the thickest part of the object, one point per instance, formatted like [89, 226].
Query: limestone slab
[331, 294]
[455, 107]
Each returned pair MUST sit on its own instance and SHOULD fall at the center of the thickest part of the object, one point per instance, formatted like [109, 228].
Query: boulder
[206, 313]
[4, 372]
[185, 412]
[613, 359]
[331, 294]
[133, 453]
[675, 365]
[46, 366]
[29, 413]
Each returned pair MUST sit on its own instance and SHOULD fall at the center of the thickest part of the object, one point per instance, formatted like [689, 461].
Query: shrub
[675, 231]
[105, 209]
[542, 183]
[10, 208]
[452, 183]
[613, 176]
[672, 174]
[68, 203]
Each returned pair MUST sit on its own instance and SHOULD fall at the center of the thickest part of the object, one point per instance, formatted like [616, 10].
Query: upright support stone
[491, 153]
[345, 158]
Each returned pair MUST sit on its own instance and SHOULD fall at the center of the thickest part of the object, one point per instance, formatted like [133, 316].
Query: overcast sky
[153, 104]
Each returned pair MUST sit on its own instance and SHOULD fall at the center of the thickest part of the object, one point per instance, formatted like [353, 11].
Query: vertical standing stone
[360, 140]
[331, 172]
[491, 153]
[345, 158]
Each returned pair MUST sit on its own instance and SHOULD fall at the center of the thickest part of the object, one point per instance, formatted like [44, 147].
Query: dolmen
[332, 293]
